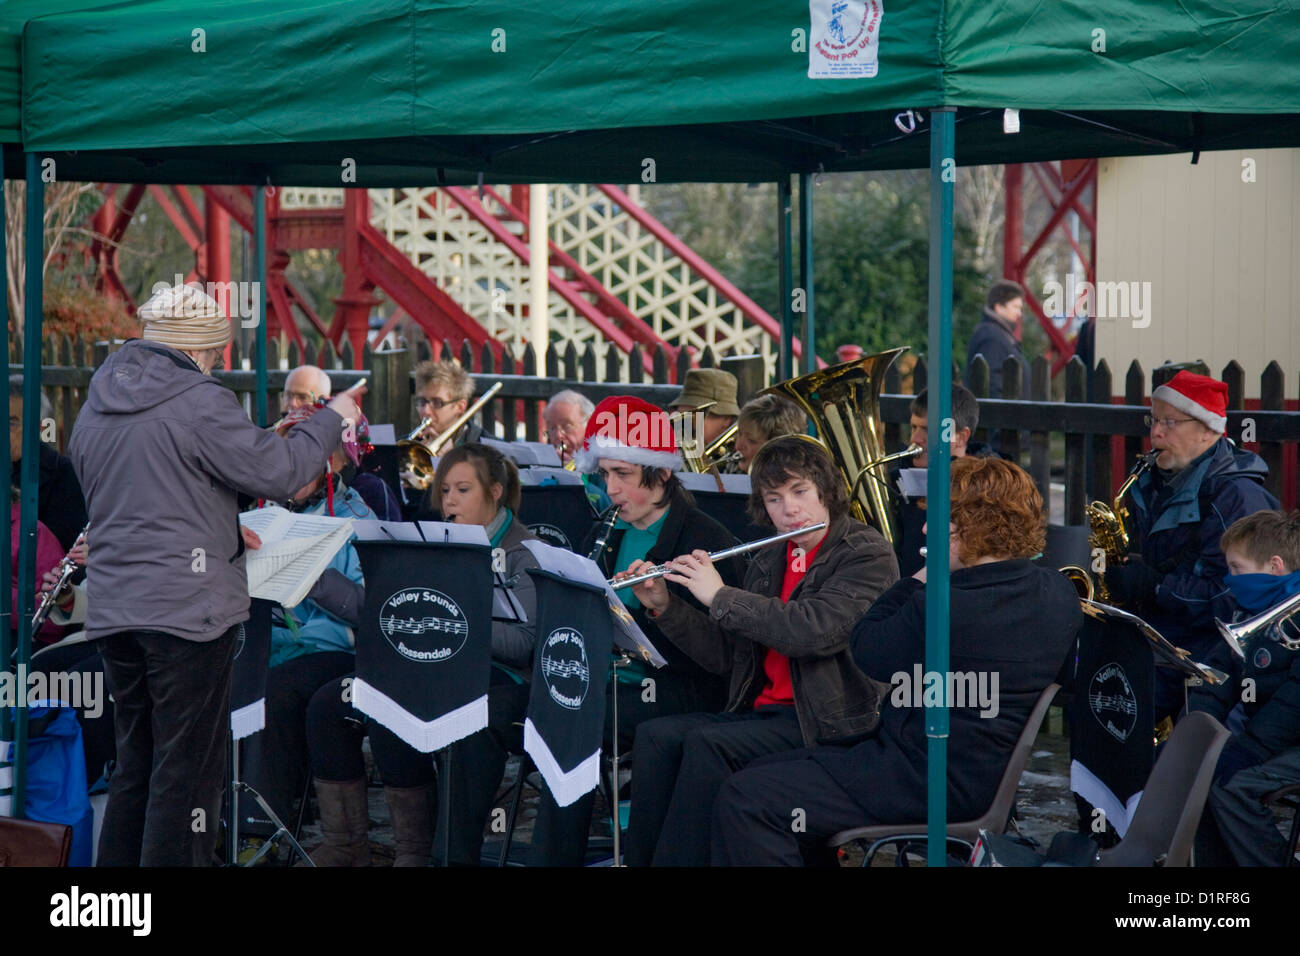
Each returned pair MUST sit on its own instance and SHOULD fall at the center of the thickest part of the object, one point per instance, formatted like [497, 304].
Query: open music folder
[295, 551]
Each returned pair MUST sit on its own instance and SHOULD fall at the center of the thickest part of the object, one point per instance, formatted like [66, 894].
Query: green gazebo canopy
[428, 92]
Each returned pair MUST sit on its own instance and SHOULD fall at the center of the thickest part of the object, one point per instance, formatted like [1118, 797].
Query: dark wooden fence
[1086, 446]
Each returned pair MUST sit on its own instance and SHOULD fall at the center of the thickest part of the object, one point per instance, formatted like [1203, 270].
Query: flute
[660, 570]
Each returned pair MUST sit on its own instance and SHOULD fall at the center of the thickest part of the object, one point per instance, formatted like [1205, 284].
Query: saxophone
[1108, 532]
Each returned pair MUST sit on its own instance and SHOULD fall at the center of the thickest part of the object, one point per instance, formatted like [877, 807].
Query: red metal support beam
[1063, 191]
[353, 307]
[437, 313]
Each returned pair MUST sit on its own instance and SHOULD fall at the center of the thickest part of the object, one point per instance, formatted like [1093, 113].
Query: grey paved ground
[1044, 802]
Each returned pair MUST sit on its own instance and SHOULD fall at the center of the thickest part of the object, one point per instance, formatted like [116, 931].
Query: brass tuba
[721, 452]
[843, 401]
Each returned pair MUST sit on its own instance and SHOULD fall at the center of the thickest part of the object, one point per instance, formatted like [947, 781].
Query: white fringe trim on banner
[425, 736]
[249, 719]
[565, 787]
[1087, 785]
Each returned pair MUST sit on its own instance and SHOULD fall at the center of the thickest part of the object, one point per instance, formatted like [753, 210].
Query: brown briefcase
[28, 843]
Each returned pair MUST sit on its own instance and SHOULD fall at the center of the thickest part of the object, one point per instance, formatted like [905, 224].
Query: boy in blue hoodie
[1261, 704]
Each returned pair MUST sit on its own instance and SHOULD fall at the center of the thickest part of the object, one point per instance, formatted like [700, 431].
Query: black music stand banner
[558, 514]
[248, 677]
[729, 507]
[1112, 716]
[425, 641]
[566, 711]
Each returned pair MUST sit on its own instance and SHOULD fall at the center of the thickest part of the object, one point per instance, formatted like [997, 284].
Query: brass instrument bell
[843, 402]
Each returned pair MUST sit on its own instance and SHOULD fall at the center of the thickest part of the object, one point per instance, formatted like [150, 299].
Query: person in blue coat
[1261, 703]
[312, 643]
[1201, 484]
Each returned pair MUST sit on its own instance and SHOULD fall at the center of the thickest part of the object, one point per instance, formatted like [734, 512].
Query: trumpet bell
[417, 459]
[1242, 634]
[1081, 580]
[843, 402]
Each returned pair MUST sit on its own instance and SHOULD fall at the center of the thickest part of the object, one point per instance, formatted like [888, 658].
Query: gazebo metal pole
[808, 332]
[259, 269]
[943, 175]
[785, 368]
[34, 257]
[6, 534]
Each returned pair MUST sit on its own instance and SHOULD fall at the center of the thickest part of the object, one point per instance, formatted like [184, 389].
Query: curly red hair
[996, 509]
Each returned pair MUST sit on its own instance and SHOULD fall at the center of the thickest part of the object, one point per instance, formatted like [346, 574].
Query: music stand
[424, 650]
[248, 716]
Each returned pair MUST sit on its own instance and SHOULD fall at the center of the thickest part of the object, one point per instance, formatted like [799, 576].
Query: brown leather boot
[411, 809]
[344, 822]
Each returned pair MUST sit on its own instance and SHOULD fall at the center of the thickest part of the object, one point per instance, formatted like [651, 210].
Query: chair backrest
[995, 819]
[1166, 818]
[1066, 544]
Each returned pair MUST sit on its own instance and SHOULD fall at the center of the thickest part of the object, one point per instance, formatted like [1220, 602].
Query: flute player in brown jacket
[784, 640]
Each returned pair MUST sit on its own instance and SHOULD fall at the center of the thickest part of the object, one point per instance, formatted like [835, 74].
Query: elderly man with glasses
[304, 386]
[1201, 483]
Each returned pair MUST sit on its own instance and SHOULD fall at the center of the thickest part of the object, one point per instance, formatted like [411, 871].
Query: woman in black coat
[1012, 624]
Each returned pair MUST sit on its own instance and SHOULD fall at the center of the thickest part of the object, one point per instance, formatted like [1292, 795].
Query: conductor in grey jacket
[784, 640]
[162, 450]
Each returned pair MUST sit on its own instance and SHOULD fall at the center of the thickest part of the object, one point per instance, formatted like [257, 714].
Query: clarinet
[607, 525]
[66, 568]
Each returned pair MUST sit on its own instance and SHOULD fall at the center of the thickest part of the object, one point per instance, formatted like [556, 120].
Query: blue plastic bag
[56, 775]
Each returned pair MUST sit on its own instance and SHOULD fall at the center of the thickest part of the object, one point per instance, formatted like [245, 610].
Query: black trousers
[681, 763]
[560, 833]
[778, 812]
[275, 761]
[172, 720]
[335, 730]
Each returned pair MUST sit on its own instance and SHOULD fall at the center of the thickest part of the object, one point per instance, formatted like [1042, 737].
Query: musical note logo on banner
[423, 625]
[1112, 701]
[564, 667]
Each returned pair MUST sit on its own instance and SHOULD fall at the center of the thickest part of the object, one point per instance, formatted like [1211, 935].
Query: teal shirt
[636, 544]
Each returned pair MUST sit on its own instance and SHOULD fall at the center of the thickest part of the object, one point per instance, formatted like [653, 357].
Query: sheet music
[541, 475]
[505, 606]
[525, 453]
[452, 532]
[382, 434]
[705, 481]
[295, 550]
[370, 529]
[911, 482]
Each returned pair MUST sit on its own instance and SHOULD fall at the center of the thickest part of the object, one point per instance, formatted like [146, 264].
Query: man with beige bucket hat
[162, 451]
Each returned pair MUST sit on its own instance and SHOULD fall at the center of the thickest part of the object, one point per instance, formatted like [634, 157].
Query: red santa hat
[630, 429]
[1199, 396]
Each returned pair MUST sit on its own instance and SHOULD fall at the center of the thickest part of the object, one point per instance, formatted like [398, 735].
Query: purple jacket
[161, 451]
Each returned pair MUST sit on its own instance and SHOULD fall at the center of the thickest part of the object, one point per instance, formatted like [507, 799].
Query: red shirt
[776, 666]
